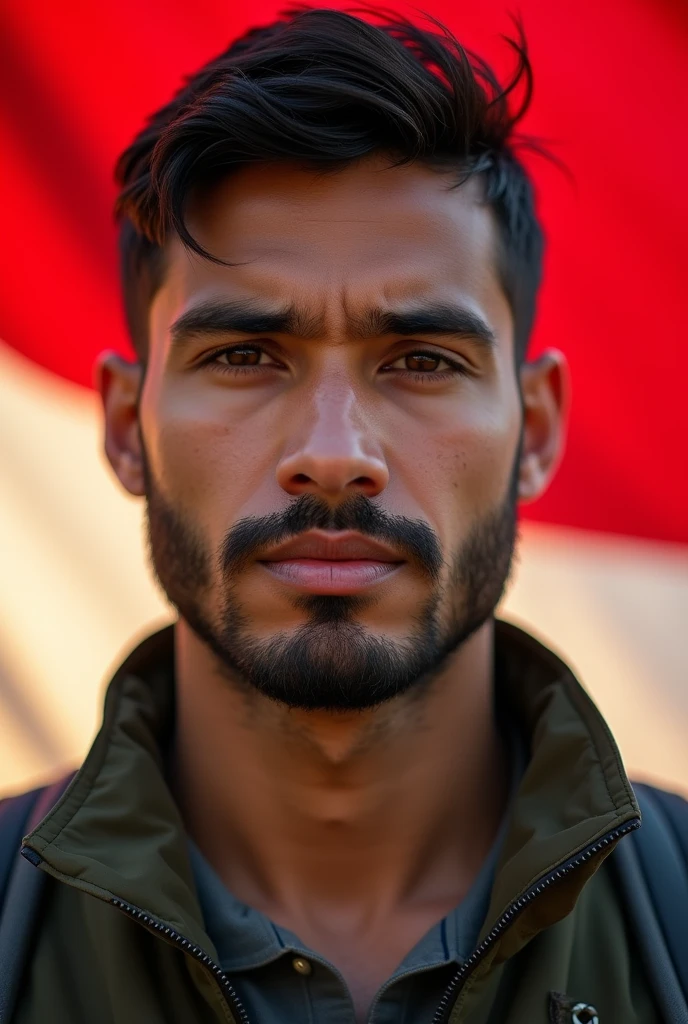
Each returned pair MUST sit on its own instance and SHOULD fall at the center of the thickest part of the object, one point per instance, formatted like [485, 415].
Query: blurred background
[602, 573]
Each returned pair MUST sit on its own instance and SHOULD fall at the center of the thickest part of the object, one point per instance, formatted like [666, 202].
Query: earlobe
[118, 382]
[545, 393]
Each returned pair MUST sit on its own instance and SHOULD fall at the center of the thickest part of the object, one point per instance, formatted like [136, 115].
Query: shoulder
[671, 802]
[664, 820]
[20, 805]
[18, 813]
[15, 812]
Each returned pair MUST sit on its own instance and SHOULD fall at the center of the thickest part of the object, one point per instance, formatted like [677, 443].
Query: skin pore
[356, 827]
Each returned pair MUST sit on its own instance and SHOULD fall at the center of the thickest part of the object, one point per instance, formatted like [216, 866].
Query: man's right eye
[240, 355]
[241, 359]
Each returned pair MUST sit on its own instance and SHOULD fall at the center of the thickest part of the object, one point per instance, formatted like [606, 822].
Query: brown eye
[421, 362]
[431, 365]
[242, 356]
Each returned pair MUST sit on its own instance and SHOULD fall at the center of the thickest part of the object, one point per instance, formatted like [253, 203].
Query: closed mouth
[331, 563]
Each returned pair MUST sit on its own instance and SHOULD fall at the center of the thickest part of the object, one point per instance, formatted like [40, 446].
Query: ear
[118, 382]
[545, 391]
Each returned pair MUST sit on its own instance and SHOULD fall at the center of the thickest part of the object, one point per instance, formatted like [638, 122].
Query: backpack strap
[21, 886]
[652, 869]
[14, 816]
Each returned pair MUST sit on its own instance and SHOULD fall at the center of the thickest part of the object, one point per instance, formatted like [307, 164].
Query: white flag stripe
[75, 593]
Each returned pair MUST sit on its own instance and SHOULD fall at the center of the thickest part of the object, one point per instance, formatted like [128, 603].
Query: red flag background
[611, 92]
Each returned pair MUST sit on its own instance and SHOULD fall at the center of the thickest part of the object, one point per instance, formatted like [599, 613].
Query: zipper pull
[563, 1010]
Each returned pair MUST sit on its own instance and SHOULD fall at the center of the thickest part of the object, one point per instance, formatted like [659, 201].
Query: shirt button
[301, 966]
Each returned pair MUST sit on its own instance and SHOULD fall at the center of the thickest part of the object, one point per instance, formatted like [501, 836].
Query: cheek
[458, 466]
[209, 459]
[481, 471]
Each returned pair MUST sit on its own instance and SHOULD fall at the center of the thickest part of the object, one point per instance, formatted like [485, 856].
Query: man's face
[332, 426]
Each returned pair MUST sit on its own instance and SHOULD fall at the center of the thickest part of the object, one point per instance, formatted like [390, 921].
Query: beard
[331, 662]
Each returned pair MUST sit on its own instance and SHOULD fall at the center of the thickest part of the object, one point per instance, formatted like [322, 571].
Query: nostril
[364, 481]
[301, 478]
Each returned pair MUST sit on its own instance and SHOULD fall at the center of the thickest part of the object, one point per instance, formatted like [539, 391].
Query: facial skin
[334, 427]
[354, 835]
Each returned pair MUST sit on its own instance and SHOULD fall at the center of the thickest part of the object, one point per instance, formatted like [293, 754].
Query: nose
[333, 455]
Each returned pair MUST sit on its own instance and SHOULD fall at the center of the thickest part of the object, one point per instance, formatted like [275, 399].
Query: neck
[312, 813]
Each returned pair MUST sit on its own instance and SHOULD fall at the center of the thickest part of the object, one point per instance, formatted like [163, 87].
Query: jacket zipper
[226, 987]
[452, 991]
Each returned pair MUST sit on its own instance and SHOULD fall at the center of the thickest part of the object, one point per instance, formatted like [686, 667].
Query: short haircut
[325, 88]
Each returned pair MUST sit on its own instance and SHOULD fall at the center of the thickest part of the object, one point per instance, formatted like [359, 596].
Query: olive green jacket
[122, 939]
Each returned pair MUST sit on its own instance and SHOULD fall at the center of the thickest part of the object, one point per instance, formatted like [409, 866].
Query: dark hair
[324, 88]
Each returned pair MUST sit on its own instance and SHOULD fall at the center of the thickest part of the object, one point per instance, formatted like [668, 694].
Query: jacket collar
[574, 793]
[117, 833]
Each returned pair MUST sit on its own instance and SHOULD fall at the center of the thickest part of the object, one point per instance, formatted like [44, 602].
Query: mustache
[413, 538]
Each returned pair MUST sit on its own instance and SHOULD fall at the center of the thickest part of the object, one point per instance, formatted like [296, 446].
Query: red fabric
[76, 82]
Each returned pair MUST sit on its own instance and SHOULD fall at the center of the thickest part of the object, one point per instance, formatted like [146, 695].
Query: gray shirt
[280, 980]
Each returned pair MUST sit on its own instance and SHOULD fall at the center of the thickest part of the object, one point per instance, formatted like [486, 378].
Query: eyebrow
[427, 318]
[244, 316]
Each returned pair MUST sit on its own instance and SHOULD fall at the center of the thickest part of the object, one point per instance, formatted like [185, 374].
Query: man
[336, 790]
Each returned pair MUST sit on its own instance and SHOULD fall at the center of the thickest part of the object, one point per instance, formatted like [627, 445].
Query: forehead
[369, 234]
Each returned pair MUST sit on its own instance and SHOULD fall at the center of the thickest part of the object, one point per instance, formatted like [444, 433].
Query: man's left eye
[423, 362]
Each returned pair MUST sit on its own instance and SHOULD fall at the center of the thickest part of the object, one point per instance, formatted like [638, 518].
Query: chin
[335, 665]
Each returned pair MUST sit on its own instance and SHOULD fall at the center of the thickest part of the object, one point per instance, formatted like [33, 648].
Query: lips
[321, 562]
